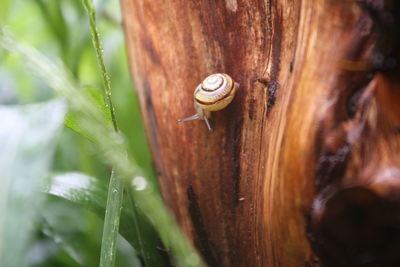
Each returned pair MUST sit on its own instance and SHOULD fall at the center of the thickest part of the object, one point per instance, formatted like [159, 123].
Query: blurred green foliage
[68, 234]
[60, 30]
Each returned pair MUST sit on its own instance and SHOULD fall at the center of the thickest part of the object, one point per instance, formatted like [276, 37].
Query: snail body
[214, 93]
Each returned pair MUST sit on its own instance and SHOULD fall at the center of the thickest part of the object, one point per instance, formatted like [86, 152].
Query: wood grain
[316, 112]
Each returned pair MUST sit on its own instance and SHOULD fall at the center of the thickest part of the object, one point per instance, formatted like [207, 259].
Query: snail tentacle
[207, 123]
[190, 118]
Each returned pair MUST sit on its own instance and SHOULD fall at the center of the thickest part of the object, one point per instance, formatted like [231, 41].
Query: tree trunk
[303, 167]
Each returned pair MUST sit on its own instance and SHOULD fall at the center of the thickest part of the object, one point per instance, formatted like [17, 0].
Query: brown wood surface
[317, 111]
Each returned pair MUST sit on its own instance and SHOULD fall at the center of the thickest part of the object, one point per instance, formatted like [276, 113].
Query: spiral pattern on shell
[215, 92]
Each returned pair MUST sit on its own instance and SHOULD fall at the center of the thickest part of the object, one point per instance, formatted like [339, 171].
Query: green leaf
[91, 193]
[27, 141]
[73, 116]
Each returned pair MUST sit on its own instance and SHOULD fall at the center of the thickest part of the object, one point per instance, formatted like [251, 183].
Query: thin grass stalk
[116, 185]
[100, 58]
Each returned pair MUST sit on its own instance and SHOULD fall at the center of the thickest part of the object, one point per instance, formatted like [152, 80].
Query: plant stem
[116, 185]
[99, 53]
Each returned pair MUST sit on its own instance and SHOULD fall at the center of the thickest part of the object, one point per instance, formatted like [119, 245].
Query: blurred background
[64, 232]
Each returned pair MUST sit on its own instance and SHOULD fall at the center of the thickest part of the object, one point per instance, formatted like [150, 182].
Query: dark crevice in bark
[202, 236]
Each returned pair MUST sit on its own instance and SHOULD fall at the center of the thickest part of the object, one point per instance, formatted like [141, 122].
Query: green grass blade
[88, 193]
[116, 186]
[172, 237]
[99, 53]
[114, 148]
[91, 193]
[111, 221]
[52, 14]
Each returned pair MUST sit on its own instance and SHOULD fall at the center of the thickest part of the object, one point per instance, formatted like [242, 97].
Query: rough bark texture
[303, 168]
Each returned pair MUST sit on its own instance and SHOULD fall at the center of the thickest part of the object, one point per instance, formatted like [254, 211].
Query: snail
[214, 93]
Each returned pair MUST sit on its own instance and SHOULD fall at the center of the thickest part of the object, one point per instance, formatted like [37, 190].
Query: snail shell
[214, 93]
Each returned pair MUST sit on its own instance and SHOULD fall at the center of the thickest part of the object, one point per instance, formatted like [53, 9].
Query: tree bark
[311, 138]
